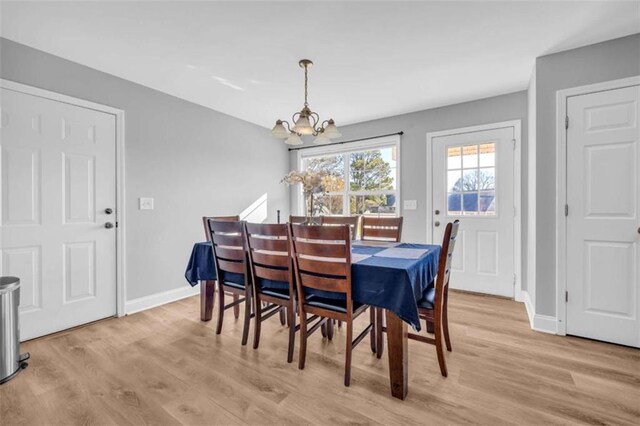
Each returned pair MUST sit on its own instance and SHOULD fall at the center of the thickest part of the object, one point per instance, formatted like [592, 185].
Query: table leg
[397, 344]
[207, 289]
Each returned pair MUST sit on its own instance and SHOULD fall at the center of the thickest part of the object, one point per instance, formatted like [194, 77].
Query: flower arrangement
[312, 183]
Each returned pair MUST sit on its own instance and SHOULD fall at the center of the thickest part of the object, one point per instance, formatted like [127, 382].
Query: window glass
[471, 180]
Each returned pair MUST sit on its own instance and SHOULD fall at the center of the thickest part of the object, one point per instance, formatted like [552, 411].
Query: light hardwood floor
[164, 366]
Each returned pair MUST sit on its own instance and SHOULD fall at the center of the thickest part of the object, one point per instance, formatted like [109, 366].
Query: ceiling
[372, 60]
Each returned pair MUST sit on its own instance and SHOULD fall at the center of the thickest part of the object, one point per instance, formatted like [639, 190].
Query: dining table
[388, 275]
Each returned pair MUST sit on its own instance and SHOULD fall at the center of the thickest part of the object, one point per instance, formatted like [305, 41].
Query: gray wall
[194, 161]
[413, 151]
[600, 62]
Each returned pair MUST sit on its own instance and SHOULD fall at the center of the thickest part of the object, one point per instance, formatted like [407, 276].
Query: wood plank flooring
[165, 367]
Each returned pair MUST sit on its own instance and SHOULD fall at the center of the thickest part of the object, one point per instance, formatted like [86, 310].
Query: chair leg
[283, 318]
[372, 334]
[339, 324]
[220, 308]
[347, 362]
[445, 323]
[236, 308]
[247, 316]
[439, 349]
[291, 320]
[323, 329]
[303, 340]
[430, 327]
[379, 334]
[258, 321]
[330, 329]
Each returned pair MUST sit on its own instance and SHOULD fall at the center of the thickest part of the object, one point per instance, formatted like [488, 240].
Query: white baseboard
[542, 323]
[151, 301]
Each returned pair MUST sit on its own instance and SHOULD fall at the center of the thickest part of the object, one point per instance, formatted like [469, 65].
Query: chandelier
[305, 122]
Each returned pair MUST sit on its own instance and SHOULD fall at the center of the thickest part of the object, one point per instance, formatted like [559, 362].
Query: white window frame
[333, 149]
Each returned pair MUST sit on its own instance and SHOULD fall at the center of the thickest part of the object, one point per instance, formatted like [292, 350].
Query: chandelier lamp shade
[305, 122]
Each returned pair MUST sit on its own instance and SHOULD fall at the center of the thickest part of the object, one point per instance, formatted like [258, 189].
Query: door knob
[437, 223]
[108, 225]
[108, 211]
[437, 211]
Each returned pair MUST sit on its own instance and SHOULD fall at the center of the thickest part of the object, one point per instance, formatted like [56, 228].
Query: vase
[309, 218]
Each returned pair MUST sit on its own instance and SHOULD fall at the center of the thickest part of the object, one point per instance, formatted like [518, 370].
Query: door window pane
[487, 202]
[470, 203]
[470, 180]
[454, 179]
[454, 204]
[488, 154]
[470, 156]
[487, 178]
[454, 158]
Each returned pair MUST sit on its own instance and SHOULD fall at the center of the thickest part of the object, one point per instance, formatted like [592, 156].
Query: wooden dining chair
[381, 228]
[352, 221]
[229, 253]
[433, 306]
[210, 285]
[269, 251]
[322, 261]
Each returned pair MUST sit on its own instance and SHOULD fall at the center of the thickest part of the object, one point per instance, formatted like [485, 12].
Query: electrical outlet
[145, 203]
[410, 204]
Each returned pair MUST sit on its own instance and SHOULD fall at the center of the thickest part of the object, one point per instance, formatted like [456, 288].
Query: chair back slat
[321, 266]
[381, 228]
[271, 273]
[229, 266]
[262, 243]
[326, 269]
[228, 241]
[352, 221]
[323, 283]
[302, 219]
[322, 249]
[270, 259]
[269, 251]
[205, 223]
[320, 233]
[230, 253]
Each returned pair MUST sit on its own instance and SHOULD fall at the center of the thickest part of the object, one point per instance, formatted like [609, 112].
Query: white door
[473, 182]
[58, 178]
[603, 226]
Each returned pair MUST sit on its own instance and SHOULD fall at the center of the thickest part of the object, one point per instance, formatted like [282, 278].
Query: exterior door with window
[473, 176]
[58, 175]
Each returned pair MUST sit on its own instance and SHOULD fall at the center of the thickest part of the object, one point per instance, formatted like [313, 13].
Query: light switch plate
[145, 203]
[410, 204]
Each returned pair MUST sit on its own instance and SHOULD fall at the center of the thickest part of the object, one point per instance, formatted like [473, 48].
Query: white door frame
[517, 189]
[120, 187]
[562, 97]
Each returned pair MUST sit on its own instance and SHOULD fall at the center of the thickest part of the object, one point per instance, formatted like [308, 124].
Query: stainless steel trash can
[11, 362]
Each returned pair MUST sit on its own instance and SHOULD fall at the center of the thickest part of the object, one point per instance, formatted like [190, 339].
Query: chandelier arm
[286, 124]
[316, 119]
[293, 117]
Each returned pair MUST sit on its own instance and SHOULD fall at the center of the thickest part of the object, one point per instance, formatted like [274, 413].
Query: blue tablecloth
[393, 283]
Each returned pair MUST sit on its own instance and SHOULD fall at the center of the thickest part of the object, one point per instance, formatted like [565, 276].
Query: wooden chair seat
[337, 305]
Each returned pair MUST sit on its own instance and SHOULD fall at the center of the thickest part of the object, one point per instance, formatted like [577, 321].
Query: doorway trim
[562, 97]
[120, 174]
[518, 294]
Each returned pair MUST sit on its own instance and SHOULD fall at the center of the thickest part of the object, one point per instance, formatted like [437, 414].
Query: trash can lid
[8, 284]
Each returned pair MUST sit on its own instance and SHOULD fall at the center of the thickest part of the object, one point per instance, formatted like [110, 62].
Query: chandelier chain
[306, 104]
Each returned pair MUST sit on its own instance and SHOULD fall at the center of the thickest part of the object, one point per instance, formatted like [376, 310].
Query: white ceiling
[373, 59]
